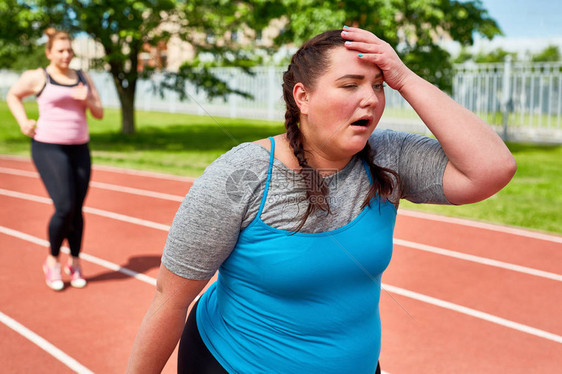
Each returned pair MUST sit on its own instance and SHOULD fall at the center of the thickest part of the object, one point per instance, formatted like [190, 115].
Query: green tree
[463, 56]
[18, 31]
[495, 56]
[123, 27]
[29, 58]
[413, 27]
[549, 54]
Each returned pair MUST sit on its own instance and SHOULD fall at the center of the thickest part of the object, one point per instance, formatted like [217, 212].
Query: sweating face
[344, 106]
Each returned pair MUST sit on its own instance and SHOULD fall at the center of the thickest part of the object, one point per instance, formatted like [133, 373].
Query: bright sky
[526, 18]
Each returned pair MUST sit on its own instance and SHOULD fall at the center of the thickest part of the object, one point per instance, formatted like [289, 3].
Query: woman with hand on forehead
[300, 258]
[59, 146]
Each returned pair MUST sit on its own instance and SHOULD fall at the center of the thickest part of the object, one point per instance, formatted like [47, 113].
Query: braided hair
[306, 66]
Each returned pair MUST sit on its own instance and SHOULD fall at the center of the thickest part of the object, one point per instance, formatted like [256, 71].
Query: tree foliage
[496, 56]
[549, 54]
[19, 30]
[123, 27]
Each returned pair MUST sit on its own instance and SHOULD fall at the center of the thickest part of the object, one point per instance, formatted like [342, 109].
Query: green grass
[180, 144]
[185, 144]
[518, 119]
[533, 198]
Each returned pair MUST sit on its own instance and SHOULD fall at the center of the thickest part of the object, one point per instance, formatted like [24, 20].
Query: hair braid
[316, 187]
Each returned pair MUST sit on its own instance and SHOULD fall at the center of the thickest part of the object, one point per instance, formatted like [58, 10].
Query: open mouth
[361, 123]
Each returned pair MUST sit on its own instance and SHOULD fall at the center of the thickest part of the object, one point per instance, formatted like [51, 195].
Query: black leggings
[65, 171]
[193, 355]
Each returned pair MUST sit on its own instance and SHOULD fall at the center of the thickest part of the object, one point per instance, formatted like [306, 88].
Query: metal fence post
[506, 95]
[270, 90]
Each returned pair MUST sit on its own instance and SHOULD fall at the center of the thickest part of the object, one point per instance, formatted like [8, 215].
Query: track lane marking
[479, 260]
[44, 345]
[144, 173]
[104, 186]
[93, 259]
[114, 169]
[482, 225]
[389, 288]
[423, 247]
[403, 212]
[99, 212]
[473, 313]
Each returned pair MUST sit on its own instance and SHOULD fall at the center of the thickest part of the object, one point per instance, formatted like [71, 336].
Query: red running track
[459, 296]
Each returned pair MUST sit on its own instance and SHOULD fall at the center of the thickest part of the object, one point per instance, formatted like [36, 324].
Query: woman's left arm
[479, 164]
[93, 101]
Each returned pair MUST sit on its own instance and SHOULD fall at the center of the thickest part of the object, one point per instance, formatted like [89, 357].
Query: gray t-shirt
[227, 197]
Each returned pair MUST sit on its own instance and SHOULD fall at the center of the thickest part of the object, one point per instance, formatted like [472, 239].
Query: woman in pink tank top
[59, 147]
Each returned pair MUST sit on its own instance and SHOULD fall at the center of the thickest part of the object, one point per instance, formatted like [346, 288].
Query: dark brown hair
[307, 64]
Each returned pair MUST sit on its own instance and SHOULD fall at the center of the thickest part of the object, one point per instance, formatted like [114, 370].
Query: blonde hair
[53, 35]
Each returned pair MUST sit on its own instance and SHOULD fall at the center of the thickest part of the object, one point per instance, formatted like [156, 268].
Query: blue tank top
[287, 302]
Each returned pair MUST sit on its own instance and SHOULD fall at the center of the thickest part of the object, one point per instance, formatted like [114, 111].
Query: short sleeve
[419, 160]
[208, 222]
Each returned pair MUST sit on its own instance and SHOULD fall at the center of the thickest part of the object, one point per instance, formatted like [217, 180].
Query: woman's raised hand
[80, 92]
[371, 48]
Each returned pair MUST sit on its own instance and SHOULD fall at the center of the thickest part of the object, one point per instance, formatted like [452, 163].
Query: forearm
[93, 103]
[163, 324]
[473, 148]
[458, 129]
[157, 337]
[16, 107]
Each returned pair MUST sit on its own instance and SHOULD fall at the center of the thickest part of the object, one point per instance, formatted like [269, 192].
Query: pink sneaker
[53, 277]
[76, 278]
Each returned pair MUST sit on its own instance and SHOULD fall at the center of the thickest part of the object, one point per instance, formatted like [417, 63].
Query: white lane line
[441, 251]
[18, 172]
[144, 173]
[482, 225]
[104, 186]
[386, 287]
[480, 260]
[99, 212]
[44, 344]
[84, 256]
[473, 313]
[129, 219]
[113, 169]
[404, 212]
[137, 191]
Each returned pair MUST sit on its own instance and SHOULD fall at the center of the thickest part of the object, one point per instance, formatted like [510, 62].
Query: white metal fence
[523, 102]
[267, 103]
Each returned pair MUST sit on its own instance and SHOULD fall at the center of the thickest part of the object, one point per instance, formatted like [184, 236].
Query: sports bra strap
[269, 171]
[81, 77]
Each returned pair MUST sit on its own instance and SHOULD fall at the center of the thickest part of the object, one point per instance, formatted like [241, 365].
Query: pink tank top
[62, 119]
